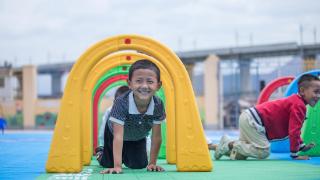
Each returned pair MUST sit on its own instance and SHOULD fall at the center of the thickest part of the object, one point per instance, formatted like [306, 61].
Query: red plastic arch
[99, 91]
[272, 86]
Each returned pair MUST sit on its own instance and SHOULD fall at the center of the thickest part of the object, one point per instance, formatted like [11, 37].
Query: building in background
[30, 95]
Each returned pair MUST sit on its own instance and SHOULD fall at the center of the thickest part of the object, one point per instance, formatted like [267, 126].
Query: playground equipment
[110, 62]
[96, 99]
[272, 86]
[112, 78]
[115, 76]
[310, 132]
[120, 70]
[71, 147]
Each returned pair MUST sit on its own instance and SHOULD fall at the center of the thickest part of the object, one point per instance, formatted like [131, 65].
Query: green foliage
[46, 120]
[15, 121]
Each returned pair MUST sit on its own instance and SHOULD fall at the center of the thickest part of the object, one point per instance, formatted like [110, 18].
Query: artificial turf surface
[274, 168]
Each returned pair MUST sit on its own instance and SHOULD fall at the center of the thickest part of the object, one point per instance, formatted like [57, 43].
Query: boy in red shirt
[273, 120]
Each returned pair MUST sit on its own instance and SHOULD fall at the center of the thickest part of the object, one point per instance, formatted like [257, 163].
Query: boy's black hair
[144, 64]
[121, 90]
[304, 80]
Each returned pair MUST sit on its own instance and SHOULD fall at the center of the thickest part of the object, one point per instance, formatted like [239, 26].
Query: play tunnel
[103, 66]
[113, 78]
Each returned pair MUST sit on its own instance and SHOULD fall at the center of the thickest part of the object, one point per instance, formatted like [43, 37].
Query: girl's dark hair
[144, 64]
[304, 80]
[121, 90]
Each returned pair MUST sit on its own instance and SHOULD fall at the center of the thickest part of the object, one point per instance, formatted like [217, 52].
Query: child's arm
[155, 146]
[297, 116]
[304, 149]
[307, 147]
[301, 158]
[102, 126]
[117, 145]
[117, 150]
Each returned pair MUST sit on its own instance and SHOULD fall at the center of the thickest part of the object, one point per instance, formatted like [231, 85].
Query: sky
[47, 31]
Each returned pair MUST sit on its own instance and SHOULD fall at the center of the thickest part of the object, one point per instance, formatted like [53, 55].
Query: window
[2, 82]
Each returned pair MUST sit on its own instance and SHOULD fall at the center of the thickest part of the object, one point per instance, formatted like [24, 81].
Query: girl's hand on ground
[152, 167]
[302, 158]
[115, 170]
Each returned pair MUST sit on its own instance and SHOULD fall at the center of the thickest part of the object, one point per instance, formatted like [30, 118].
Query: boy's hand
[116, 170]
[308, 147]
[152, 167]
[302, 158]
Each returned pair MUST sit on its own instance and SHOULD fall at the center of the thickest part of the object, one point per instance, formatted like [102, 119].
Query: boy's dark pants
[134, 153]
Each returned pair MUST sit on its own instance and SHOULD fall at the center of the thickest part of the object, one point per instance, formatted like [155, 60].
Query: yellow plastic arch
[66, 148]
[99, 70]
